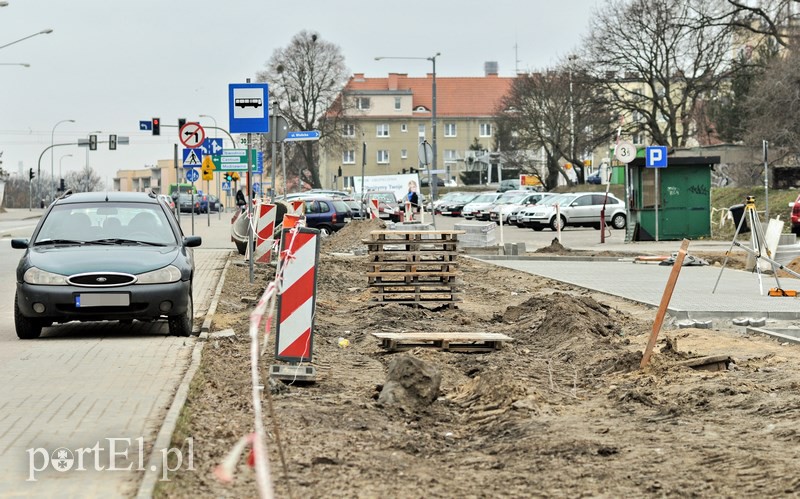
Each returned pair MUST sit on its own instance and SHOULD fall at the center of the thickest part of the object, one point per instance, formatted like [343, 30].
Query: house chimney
[358, 76]
[394, 79]
[490, 68]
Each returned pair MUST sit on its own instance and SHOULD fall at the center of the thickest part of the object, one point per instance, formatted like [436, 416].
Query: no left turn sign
[192, 135]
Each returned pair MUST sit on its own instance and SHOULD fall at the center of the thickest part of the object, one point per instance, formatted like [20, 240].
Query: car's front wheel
[618, 221]
[181, 325]
[558, 223]
[27, 329]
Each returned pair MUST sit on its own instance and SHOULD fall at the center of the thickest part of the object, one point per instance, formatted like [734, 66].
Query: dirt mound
[410, 383]
[555, 247]
[348, 239]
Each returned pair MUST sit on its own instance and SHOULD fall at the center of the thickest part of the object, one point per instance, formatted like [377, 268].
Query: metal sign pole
[656, 192]
[765, 146]
[249, 197]
[177, 186]
[208, 204]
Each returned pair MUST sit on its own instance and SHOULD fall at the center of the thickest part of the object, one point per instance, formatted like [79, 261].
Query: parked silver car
[510, 201]
[482, 202]
[578, 210]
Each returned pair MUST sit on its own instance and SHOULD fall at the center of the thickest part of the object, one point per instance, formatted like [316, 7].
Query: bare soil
[562, 411]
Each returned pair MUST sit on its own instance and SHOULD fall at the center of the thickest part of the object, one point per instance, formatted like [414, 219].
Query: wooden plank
[395, 273]
[451, 342]
[450, 336]
[665, 298]
[416, 232]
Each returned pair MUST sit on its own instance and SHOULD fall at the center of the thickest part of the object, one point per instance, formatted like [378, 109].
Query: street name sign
[304, 135]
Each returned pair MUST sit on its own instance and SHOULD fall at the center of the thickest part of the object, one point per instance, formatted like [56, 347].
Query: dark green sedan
[105, 256]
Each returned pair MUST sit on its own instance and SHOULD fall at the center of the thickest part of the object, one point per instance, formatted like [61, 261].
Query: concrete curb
[164, 437]
[212, 308]
[163, 440]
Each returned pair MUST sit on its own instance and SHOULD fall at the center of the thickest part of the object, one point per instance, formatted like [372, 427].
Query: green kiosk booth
[670, 203]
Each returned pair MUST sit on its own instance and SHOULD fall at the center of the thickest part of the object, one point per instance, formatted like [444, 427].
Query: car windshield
[563, 200]
[384, 197]
[485, 198]
[106, 223]
[512, 198]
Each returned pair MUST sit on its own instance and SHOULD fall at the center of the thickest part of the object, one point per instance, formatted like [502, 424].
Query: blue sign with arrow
[192, 175]
[304, 135]
[145, 125]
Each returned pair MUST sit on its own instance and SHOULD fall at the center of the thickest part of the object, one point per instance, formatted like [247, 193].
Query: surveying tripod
[759, 246]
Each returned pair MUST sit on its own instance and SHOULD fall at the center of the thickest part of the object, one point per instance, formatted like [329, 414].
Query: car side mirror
[192, 241]
[19, 243]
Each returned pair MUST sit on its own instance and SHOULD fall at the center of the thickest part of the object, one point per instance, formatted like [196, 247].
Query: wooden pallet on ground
[413, 267]
[451, 342]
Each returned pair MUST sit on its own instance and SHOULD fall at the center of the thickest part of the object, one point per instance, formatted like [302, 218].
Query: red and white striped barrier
[265, 231]
[299, 254]
[297, 208]
[374, 209]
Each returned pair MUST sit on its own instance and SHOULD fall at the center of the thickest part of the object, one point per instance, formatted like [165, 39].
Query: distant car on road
[105, 256]
[594, 179]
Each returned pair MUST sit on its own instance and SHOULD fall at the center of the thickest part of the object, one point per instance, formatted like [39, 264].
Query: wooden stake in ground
[665, 298]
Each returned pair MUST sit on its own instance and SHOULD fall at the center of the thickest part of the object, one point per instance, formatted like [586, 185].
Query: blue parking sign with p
[656, 157]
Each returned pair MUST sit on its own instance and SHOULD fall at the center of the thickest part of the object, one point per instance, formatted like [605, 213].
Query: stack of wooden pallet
[414, 267]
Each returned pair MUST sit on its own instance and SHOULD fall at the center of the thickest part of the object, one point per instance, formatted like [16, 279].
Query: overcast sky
[110, 63]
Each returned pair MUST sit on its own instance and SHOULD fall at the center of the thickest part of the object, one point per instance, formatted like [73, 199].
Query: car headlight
[38, 276]
[170, 273]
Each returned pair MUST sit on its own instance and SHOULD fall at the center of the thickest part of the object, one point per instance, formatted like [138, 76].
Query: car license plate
[83, 300]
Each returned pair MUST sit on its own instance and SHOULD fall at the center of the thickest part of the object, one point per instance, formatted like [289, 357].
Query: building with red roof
[392, 115]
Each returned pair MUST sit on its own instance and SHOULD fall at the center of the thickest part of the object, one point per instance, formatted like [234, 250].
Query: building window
[383, 130]
[362, 103]
[450, 155]
[404, 127]
[383, 156]
[449, 129]
[397, 103]
[421, 130]
[349, 130]
[403, 153]
[349, 157]
[486, 129]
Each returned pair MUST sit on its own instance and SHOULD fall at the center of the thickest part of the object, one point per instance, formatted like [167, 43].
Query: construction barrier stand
[265, 231]
[299, 259]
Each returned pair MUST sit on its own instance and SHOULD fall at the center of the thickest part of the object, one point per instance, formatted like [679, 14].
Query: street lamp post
[43, 32]
[219, 175]
[571, 113]
[433, 114]
[59, 163]
[52, 136]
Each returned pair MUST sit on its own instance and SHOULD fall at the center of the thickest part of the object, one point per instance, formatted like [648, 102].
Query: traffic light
[228, 176]
[112, 142]
[156, 126]
[181, 122]
[31, 174]
[92, 142]
[61, 186]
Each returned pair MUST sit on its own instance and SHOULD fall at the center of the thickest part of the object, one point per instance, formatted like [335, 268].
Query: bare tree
[657, 61]
[773, 107]
[560, 111]
[83, 180]
[305, 80]
[770, 20]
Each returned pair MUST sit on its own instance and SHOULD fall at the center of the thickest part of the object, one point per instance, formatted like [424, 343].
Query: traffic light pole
[39, 164]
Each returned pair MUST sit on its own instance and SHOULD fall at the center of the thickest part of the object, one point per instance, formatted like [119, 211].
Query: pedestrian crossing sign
[192, 158]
